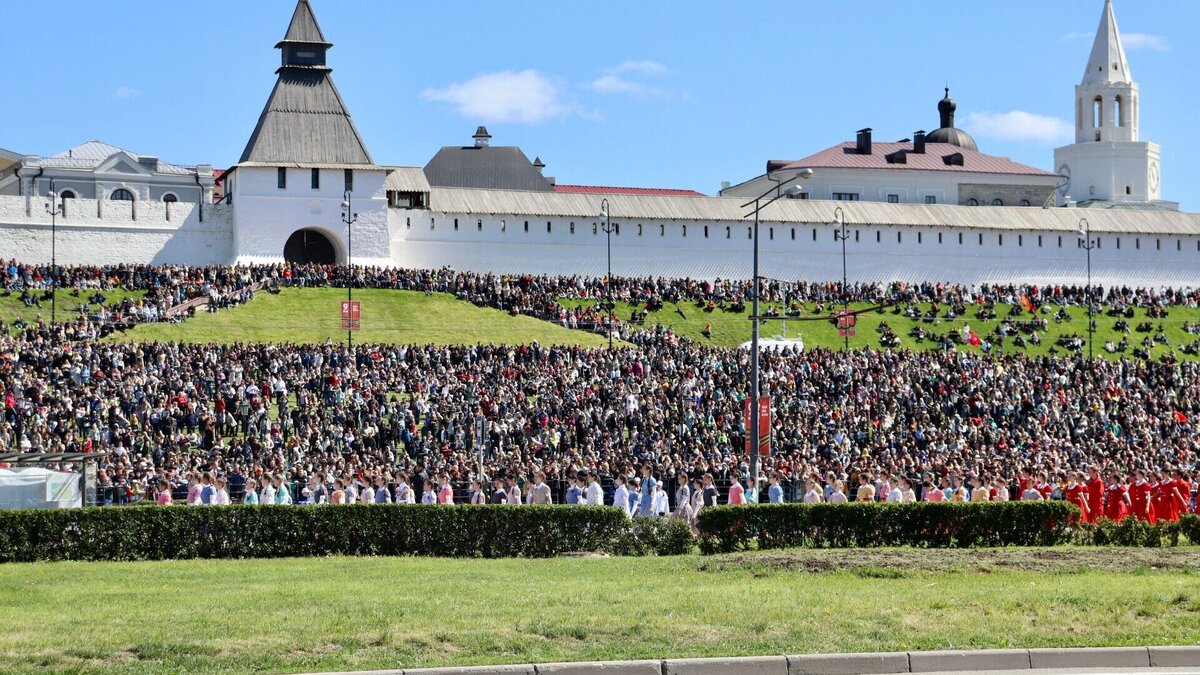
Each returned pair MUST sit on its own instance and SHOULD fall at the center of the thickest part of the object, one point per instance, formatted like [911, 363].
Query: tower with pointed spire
[1108, 164]
[304, 158]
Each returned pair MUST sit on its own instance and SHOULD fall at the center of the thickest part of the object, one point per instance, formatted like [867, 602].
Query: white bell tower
[1107, 161]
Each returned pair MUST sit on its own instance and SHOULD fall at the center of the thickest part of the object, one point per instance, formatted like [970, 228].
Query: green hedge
[923, 524]
[283, 531]
[1134, 532]
[654, 536]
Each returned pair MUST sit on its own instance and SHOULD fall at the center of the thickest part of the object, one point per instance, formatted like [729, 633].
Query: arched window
[121, 195]
[972, 202]
[170, 198]
[1097, 112]
[662, 230]
[997, 202]
[479, 225]
[1024, 202]
[639, 229]
[456, 224]
[67, 194]
[1117, 118]
[572, 227]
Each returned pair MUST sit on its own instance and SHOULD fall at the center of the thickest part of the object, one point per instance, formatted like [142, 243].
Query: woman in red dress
[1162, 497]
[1077, 495]
[1116, 499]
[1184, 488]
[1095, 493]
[1139, 497]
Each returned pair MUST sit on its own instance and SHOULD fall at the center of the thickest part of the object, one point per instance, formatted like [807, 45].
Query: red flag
[1180, 417]
[973, 339]
[1026, 303]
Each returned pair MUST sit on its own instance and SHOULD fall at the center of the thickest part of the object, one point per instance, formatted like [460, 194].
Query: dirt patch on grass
[871, 562]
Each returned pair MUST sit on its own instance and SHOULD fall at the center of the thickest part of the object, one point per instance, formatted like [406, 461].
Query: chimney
[774, 165]
[482, 137]
[724, 185]
[919, 143]
[539, 164]
[863, 145]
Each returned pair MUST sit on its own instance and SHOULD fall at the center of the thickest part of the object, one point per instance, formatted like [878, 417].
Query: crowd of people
[292, 423]
[541, 296]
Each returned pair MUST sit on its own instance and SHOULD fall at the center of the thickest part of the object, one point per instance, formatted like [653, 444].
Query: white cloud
[624, 79]
[125, 91]
[645, 68]
[615, 84]
[525, 96]
[1145, 42]
[1018, 125]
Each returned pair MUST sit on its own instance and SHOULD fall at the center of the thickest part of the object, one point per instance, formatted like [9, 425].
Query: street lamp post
[349, 218]
[755, 439]
[54, 209]
[841, 235]
[608, 229]
[1086, 241]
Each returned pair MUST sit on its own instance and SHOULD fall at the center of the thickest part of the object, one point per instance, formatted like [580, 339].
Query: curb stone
[1102, 657]
[759, 665]
[848, 664]
[958, 661]
[601, 668]
[854, 664]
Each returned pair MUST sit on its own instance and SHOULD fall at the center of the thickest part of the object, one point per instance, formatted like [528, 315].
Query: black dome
[953, 136]
[948, 133]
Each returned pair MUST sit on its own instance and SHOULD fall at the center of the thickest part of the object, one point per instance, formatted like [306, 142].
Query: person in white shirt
[221, 498]
[815, 495]
[514, 492]
[621, 494]
[430, 495]
[661, 505]
[838, 496]
[894, 495]
[595, 495]
[906, 488]
[367, 495]
[266, 496]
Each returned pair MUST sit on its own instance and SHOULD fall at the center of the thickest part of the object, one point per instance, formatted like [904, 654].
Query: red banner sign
[351, 313]
[764, 426]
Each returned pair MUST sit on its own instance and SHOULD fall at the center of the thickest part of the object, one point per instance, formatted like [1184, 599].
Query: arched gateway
[309, 246]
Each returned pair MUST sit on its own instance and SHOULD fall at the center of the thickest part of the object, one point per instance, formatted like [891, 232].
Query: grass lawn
[314, 315]
[341, 614]
[730, 329]
[11, 307]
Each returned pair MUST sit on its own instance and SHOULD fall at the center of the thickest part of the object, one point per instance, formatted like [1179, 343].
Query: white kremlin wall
[92, 232]
[154, 232]
[495, 243]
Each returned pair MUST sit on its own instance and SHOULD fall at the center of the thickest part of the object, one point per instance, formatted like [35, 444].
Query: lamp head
[805, 174]
[346, 205]
[793, 191]
[52, 195]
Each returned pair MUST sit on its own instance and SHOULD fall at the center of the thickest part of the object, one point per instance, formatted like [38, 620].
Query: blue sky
[621, 92]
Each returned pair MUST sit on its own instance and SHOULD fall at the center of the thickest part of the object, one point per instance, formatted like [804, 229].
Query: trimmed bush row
[150, 533]
[732, 528]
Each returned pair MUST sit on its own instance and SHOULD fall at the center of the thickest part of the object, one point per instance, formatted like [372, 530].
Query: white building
[1107, 165]
[943, 167]
[97, 170]
[488, 208]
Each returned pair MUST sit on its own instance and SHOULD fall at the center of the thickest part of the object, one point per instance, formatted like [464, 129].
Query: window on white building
[972, 202]
[121, 195]
[930, 199]
[316, 179]
[281, 178]
[997, 202]
[348, 178]
[893, 199]
[845, 196]
[169, 198]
